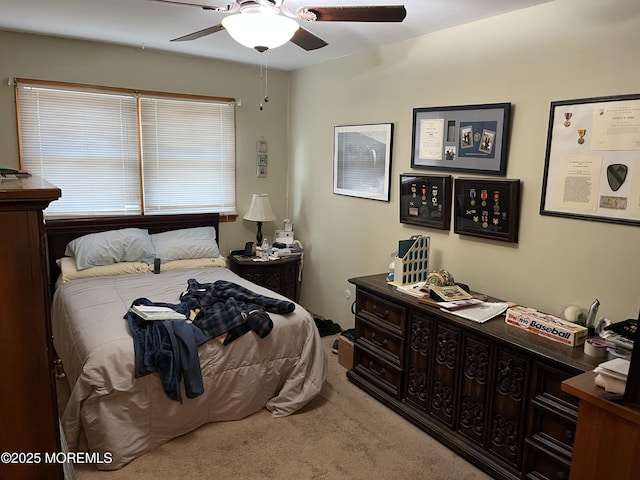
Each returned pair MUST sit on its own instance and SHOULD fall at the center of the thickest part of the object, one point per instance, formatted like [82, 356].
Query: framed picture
[592, 165]
[425, 200]
[487, 208]
[471, 138]
[362, 161]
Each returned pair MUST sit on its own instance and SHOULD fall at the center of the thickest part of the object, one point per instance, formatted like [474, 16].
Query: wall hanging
[362, 161]
[592, 165]
[471, 138]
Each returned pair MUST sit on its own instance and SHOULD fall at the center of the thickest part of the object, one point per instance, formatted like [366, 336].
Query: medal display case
[425, 200]
[487, 208]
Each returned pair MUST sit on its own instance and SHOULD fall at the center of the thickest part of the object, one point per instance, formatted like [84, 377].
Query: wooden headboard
[61, 231]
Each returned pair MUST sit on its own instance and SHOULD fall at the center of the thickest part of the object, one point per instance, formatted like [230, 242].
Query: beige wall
[565, 49]
[46, 58]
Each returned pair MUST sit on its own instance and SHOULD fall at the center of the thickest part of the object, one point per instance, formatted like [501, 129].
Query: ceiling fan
[265, 24]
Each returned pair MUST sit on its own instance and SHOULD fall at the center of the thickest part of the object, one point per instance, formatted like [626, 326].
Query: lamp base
[259, 235]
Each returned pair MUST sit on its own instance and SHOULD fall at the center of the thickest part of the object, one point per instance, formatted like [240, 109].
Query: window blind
[179, 158]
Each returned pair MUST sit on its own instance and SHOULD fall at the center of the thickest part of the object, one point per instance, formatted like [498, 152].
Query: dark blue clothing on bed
[170, 347]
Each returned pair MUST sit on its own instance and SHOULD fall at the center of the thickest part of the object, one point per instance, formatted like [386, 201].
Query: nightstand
[279, 275]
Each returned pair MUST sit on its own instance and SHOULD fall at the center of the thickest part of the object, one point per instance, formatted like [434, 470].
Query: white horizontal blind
[85, 143]
[189, 155]
[88, 143]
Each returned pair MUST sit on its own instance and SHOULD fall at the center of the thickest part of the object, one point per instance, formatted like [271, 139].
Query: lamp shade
[261, 29]
[260, 209]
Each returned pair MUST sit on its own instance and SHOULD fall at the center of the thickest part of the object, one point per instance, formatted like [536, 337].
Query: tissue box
[548, 326]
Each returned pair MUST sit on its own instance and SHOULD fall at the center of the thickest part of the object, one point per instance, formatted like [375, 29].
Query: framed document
[470, 138]
[592, 164]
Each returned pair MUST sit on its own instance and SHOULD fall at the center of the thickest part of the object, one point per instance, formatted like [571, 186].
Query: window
[115, 151]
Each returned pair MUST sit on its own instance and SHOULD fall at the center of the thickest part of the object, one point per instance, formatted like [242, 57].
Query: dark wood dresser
[280, 275]
[28, 401]
[491, 392]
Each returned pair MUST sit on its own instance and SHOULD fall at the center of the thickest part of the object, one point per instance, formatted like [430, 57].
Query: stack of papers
[482, 312]
[152, 312]
[612, 375]
[419, 289]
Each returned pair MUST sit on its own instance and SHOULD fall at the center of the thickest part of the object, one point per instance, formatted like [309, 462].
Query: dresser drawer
[386, 344]
[554, 419]
[542, 462]
[388, 314]
[378, 370]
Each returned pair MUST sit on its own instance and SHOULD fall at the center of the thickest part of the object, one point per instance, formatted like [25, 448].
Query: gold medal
[581, 133]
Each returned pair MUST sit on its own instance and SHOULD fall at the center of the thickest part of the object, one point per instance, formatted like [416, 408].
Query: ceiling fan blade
[199, 33]
[371, 13]
[307, 40]
[204, 7]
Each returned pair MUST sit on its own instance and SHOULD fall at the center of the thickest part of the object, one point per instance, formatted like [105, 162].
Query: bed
[113, 413]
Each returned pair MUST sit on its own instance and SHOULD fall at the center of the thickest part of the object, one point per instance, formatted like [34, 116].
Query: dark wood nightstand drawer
[385, 343]
[377, 370]
[389, 315]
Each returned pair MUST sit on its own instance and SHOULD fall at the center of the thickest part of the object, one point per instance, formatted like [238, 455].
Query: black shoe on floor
[334, 347]
[326, 327]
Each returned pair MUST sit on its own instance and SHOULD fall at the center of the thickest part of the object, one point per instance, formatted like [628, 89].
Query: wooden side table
[608, 434]
[279, 275]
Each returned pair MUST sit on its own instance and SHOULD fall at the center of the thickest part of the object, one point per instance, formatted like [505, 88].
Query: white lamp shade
[263, 29]
[260, 209]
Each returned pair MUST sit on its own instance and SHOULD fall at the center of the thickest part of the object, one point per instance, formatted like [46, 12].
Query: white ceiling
[150, 24]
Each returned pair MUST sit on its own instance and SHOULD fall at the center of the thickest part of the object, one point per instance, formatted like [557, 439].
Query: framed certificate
[592, 164]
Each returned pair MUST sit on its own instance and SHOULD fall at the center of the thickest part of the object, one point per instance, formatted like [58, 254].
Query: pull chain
[264, 98]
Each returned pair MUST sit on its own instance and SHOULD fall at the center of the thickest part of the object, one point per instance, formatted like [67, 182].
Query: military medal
[484, 196]
[581, 133]
[496, 220]
[413, 191]
[434, 195]
[567, 116]
[424, 192]
[485, 219]
[472, 194]
[496, 199]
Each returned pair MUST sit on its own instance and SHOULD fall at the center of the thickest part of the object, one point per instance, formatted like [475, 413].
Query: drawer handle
[568, 434]
[560, 474]
[383, 343]
[384, 314]
[377, 372]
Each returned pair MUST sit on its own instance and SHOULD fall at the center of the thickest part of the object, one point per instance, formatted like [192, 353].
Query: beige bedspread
[114, 412]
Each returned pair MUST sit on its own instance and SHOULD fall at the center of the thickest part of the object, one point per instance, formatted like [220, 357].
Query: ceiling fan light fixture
[260, 30]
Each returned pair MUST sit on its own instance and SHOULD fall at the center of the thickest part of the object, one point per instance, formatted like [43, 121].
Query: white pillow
[193, 263]
[113, 246]
[187, 243]
[68, 270]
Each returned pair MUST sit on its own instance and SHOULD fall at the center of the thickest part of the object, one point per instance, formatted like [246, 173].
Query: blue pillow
[113, 246]
[197, 242]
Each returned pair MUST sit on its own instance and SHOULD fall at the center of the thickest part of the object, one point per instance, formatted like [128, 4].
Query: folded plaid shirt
[226, 307]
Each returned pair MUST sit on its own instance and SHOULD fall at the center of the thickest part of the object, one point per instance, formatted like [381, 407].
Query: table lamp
[260, 211]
